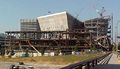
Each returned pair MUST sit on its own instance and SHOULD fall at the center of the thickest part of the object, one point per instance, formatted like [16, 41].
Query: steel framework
[50, 40]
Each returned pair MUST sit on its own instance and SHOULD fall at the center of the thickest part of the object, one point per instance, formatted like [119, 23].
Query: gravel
[5, 65]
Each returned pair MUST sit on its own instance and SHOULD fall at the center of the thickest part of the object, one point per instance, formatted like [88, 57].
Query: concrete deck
[112, 64]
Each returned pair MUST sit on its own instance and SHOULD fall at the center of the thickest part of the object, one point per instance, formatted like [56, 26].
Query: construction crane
[98, 11]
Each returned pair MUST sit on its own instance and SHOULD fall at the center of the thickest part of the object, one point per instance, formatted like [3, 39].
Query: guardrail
[87, 63]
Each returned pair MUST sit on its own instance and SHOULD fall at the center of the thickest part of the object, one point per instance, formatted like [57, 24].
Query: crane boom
[100, 13]
[94, 8]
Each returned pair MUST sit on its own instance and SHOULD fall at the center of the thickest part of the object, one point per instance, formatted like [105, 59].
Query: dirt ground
[5, 65]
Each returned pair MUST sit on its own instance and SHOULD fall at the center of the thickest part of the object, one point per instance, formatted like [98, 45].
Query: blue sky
[11, 11]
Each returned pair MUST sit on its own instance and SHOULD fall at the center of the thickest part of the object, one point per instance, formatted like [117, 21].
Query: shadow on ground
[108, 66]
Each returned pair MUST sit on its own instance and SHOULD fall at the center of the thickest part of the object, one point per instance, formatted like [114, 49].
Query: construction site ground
[6, 65]
[45, 62]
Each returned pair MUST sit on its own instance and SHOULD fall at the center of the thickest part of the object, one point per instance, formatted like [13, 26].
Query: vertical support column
[80, 67]
[88, 65]
[66, 39]
[97, 29]
[93, 63]
[90, 39]
[33, 35]
[96, 62]
[24, 35]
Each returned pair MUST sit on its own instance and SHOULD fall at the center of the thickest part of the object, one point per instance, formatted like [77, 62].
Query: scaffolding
[51, 40]
[99, 27]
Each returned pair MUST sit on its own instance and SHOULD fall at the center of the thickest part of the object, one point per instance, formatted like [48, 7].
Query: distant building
[29, 25]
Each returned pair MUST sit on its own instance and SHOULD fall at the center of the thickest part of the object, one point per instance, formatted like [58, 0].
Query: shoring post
[93, 63]
[80, 66]
[96, 62]
[88, 65]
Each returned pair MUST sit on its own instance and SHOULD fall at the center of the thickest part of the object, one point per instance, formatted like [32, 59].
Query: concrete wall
[74, 23]
[59, 22]
[53, 22]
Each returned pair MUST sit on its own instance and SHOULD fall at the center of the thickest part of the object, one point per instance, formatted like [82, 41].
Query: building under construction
[101, 31]
[60, 31]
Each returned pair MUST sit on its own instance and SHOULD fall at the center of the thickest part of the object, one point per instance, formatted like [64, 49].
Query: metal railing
[87, 63]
